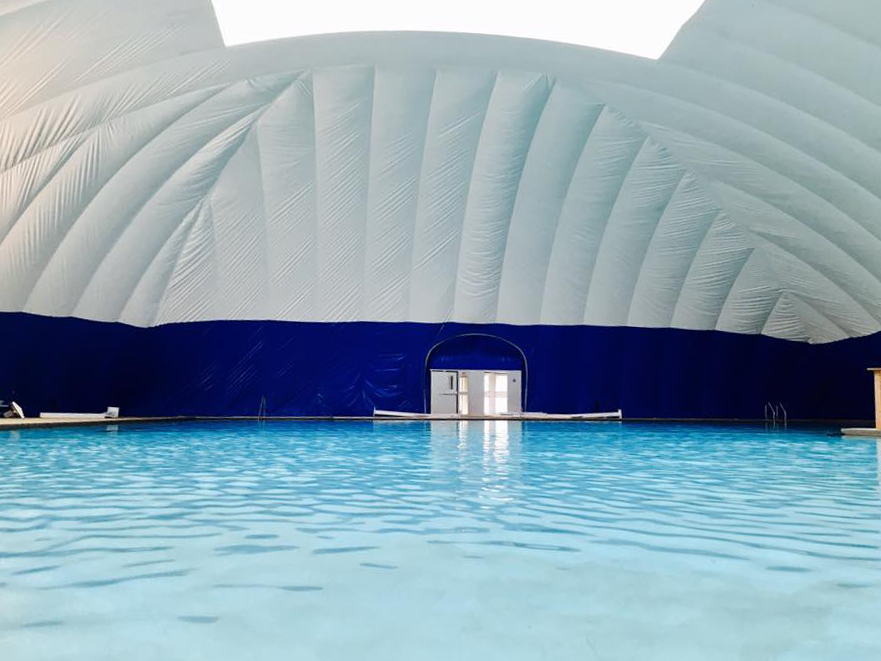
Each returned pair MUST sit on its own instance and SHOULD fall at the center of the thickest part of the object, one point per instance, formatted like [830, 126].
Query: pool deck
[42, 423]
[7, 424]
[29, 423]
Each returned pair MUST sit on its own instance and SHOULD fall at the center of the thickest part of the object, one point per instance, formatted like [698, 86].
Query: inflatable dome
[293, 226]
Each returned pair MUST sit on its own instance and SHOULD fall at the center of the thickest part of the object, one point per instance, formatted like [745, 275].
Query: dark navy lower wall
[227, 367]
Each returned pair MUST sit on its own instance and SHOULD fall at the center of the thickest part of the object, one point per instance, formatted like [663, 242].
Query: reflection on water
[496, 439]
[498, 467]
[503, 539]
[486, 452]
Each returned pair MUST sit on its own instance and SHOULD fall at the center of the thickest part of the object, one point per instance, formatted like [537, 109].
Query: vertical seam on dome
[617, 119]
[547, 265]
[294, 294]
[312, 304]
[754, 253]
[480, 138]
[592, 113]
[266, 312]
[528, 150]
[408, 298]
[360, 304]
[608, 220]
[185, 239]
[639, 271]
[327, 307]
[697, 252]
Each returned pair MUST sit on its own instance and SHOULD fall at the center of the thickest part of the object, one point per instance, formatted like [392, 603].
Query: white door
[495, 393]
[444, 392]
[501, 393]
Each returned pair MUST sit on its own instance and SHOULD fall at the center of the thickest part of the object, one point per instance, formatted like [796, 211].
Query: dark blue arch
[476, 351]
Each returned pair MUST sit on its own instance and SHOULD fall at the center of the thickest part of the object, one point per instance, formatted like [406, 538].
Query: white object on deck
[615, 415]
[401, 414]
[112, 412]
[862, 432]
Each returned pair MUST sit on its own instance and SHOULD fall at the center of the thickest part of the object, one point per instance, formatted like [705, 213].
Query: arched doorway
[476, 375]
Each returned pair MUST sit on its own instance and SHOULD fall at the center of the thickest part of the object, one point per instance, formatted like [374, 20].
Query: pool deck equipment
[72, 421]
[595, 417]
[112, 413]
[865, 432]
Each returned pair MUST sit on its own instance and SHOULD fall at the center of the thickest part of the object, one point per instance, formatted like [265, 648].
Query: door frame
[426, 376]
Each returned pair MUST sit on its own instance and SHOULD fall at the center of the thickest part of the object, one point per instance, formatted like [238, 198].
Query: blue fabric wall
[225, 368]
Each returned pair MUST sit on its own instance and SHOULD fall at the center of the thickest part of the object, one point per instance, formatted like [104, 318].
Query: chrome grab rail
[780, 407]
[777, 413]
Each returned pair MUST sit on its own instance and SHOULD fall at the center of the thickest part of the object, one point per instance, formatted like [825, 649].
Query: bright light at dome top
[640, 27]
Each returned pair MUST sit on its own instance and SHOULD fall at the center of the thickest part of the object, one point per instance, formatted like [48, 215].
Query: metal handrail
[780, 407]
[778, 412]
[773, 417]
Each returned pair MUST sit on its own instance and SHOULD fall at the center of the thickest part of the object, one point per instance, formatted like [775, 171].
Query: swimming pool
[419, 540]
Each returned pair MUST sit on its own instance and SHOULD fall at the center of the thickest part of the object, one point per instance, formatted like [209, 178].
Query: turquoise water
[438, 541]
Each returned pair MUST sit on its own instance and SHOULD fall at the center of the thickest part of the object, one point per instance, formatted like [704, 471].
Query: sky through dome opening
[639, 27]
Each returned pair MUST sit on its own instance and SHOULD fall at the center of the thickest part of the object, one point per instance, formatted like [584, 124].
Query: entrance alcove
[475, 375]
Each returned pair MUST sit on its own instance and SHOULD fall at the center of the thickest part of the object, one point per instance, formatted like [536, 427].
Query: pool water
[416, 540]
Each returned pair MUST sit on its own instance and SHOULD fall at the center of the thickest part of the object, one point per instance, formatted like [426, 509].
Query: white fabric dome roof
[149, 176]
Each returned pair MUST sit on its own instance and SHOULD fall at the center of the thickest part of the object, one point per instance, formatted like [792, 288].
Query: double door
[475, 392]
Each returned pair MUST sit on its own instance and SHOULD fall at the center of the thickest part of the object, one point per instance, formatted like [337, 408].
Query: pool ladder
[261, 412]
[776, 414]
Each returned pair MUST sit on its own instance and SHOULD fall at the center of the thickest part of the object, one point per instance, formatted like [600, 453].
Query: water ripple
[557, 510]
